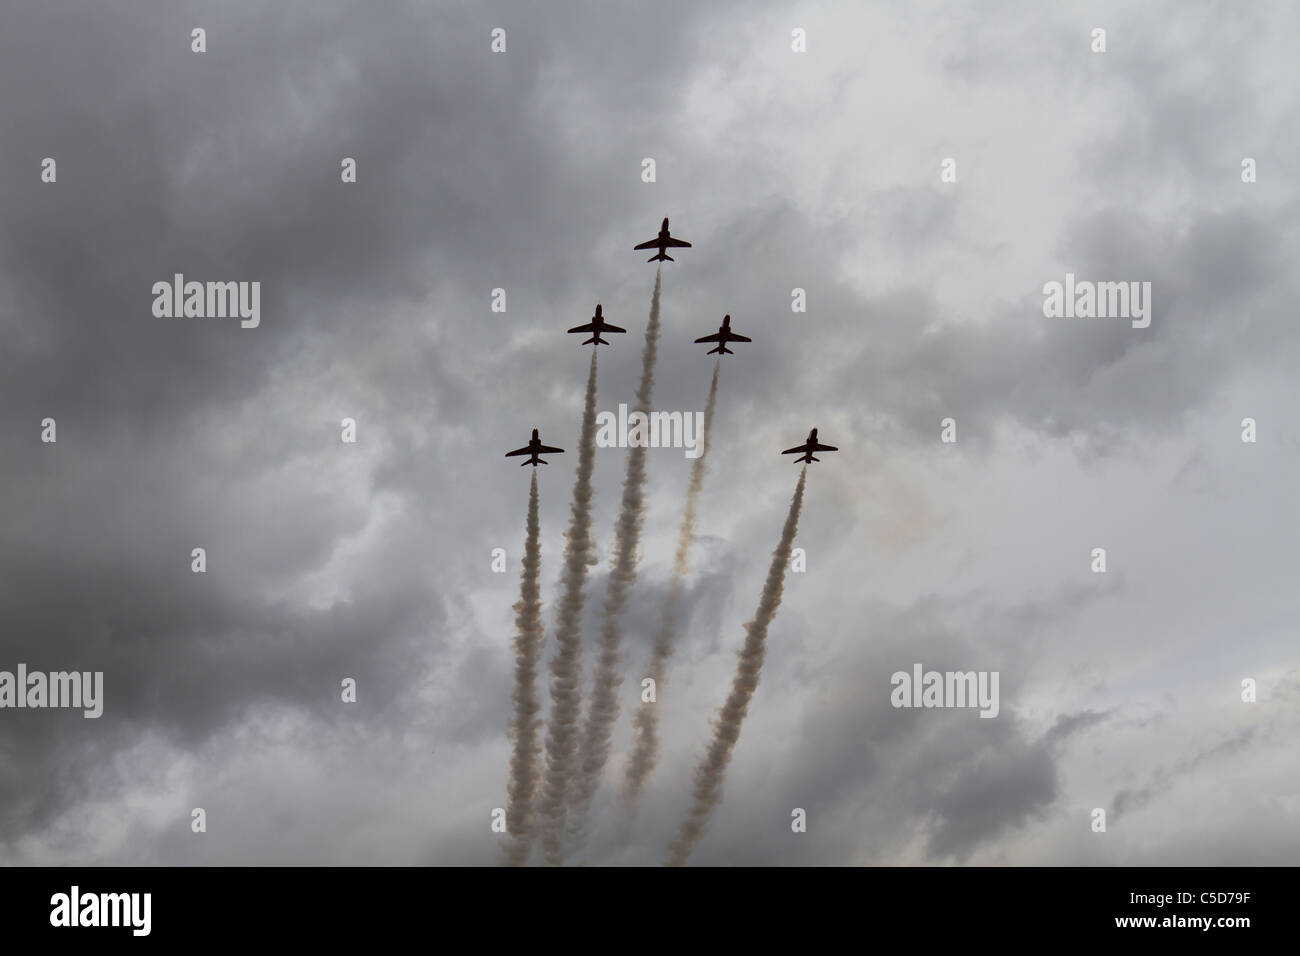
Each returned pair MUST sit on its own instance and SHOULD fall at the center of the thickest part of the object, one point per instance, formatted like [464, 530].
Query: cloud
[521, 171]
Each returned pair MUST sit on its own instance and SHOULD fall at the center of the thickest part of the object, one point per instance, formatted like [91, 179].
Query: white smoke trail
[645, 747]
[712, 769]
[603, 709]
[565, 667]
[526, 759]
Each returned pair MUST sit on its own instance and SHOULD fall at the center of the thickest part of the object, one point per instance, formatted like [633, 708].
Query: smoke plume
[711, 771]
[565, 667]
[529, 635]
[603, 708]
[645, 747]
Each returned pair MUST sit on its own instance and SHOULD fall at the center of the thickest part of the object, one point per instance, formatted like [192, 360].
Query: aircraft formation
[663, 242]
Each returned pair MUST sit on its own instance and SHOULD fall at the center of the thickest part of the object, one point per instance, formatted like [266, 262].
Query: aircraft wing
[548, 450]
[797, 448]
[518, 451]
[820, 447]
[715, 337]
[589, 327]
[675, 243]
[740, 338]
[611, 328]
[649, 244]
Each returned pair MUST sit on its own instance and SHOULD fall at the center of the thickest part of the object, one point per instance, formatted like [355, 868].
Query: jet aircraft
[662, 242]
[808, 447]
[596, 326]
[723, 336]
[534, 448]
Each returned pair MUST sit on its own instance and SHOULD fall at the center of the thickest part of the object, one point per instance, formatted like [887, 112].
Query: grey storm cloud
[951, 775]
[521, 171]
[1130, 799]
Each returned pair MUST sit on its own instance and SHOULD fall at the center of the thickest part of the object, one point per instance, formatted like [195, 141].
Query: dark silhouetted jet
[662, 242]
[808, 447]
[596, 326]
[722, 337]
[533, 449]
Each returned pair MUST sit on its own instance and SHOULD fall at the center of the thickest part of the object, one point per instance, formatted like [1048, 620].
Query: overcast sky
[522, 170]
